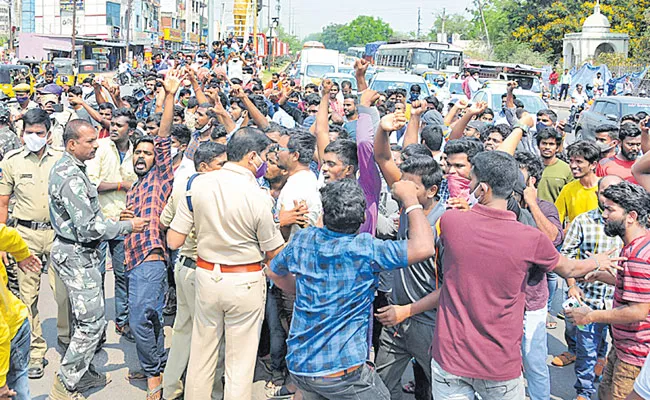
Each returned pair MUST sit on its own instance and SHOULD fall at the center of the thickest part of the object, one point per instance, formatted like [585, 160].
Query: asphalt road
[119, 356]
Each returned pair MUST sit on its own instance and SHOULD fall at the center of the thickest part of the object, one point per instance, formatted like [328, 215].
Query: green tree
[365, 29]
[294, 43]
[331, 37]
[454, 24]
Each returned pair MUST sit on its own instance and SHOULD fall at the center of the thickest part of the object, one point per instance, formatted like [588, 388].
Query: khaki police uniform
[26, 177]
[234, 228]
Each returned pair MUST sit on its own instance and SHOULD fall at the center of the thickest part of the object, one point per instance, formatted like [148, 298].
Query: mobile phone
[570, 303]
[57, 108]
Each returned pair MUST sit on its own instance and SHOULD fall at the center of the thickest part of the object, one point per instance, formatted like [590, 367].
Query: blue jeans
[570, 337]
[362, 384]
[551, 278]
[534, 349]
[116, 247]
[588, 345]
[147, 286]
[19, 363]
[276, 330]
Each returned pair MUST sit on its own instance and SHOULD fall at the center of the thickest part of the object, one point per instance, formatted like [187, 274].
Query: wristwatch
[523, 127]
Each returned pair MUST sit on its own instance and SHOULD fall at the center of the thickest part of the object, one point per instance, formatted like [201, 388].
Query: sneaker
[92, 379]
[170, 302]
[126, 332]
[36, 368]
[60, 392]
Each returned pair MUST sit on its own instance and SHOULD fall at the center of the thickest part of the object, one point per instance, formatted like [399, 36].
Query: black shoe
[126, 332]
[92, 379]
[170, 303]
[36, 368]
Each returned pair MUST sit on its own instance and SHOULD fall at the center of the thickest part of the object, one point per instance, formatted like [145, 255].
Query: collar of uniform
[76, 160]
[48, 151]
[238, 169]
[493, 212]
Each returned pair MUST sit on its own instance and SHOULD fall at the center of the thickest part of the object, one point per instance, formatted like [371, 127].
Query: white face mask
[174, 151]
[472, 197]
[86, 91]
[33, 142]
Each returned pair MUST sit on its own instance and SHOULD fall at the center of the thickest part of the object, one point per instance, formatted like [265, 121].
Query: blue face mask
[292, 103]
[540, 126]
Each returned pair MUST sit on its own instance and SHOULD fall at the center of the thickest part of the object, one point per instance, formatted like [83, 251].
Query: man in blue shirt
[334, 272]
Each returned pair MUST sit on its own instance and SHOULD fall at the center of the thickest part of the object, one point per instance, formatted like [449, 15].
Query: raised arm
[641, 171]
[253, 112]
[420, 243]
[509, 145]
[94, 114]
[510, 98]
[383, 155]
[458, 129]
[198, 91]
[222, 114]
[360, 69]
[418, 108]
[171, 84]
[322, 127]
[451, 115]
[99, 95]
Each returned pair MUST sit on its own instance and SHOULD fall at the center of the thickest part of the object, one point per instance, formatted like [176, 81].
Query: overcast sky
[312, 15]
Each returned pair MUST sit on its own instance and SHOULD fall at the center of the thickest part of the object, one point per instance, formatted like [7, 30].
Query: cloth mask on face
[34, 143]
[458, 186]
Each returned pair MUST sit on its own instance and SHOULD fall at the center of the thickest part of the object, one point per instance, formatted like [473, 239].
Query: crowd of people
[334, 239]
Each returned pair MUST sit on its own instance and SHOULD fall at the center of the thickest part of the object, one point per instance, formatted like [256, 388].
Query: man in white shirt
[235, 66]
[578, 97]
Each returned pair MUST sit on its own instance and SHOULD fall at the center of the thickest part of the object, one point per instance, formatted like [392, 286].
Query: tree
[454, 24]
[331, 37]
[365, 29]
[294, 43]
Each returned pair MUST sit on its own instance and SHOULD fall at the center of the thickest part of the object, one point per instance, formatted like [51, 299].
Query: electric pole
[419, 22]
[11, 28]
[443, 36]
[127, 22]
[487, 33]
[74, 30]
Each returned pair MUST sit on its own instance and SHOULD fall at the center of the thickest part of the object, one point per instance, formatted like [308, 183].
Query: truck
[315, 62]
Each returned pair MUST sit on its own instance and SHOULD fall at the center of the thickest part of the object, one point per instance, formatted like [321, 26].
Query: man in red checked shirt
[146, 252]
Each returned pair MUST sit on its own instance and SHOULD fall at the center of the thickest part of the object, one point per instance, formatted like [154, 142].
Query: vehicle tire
[578, 133]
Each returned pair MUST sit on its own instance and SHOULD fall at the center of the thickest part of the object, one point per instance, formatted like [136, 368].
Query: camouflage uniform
[8, 138]
[79, 226]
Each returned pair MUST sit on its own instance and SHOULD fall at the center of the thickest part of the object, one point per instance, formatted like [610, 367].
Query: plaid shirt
[336, 276]
[148, 196]
[587, 234]
[443, 191]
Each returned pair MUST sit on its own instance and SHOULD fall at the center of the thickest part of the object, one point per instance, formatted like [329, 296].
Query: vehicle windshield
[532, 104]
[537, 88]
[5, 76]
[65, 69]
[345, 70]
[317, 71]
[425, 57]
[633, 108]
[456, 88]
[524, 82]
[382, 86]
[340, 80]
[450, 59]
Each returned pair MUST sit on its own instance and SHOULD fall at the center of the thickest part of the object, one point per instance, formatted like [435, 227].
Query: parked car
[608, 109]
[452, 89]
[383, 81]
[340, 78]
[492, 95]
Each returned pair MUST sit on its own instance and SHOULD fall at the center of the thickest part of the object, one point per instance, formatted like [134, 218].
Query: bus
[420, 57]
[356, 52]
[312, 44]
[526, 76]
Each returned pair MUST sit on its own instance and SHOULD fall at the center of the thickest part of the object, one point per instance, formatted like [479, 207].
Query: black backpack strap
[188, 194]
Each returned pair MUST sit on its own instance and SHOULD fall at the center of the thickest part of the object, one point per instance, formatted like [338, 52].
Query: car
[608, 109]
[452, 89]
[346, 69]
[492, 95]
[340, 77]
[383, 81]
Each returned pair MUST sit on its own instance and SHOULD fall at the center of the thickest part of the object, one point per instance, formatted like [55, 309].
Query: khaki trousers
[229, 307]
[29, 283]
[179, 353]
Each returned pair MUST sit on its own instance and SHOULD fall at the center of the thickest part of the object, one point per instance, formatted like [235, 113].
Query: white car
[452, 89]
[383, 81]
[492, 95]
[340, 78]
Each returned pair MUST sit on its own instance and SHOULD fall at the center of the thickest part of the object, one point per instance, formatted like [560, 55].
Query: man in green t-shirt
[556, 172]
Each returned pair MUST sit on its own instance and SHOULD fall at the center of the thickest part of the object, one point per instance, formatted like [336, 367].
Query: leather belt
[33, 225]
[88, 245]
[229, 269]
[344, 372]
[187, 262]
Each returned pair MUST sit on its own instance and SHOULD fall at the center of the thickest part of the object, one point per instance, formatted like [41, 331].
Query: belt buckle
[42, 226]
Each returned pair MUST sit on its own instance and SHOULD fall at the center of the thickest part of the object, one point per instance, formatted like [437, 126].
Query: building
[5, 25]
[596, 38]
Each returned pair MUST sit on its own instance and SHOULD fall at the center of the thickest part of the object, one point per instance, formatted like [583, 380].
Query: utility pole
[11, 28]
[127, 22]
[443, 36]
[487, 33]
[74, 30]
[419, 22]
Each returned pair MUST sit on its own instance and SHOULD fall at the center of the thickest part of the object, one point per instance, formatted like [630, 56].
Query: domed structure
[596, 37]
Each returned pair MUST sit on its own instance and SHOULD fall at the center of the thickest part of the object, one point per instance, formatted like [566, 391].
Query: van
[314, 63]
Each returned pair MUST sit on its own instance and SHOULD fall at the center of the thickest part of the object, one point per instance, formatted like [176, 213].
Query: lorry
[315, 62]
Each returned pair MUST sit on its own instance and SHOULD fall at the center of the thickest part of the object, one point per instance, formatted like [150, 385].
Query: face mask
[205, 128]
[23, 99]
[261, 170]
[292, 104]
[33, 142]
[184, 102]
[86, 91]
[472, 200]
[458, 186]
[174, 151]
[540, 126]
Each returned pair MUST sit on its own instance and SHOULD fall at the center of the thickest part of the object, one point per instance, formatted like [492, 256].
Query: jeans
[564, 90]
[147, 285]
[553, 90]
[534, 349]
[570, 337]
[362, 384]
[588, 344]
[551, 278]
[116, 247]
[448, 386]
[276, 330]
[19, 363]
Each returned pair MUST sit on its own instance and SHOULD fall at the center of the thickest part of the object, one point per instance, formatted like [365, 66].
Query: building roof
[596, 22]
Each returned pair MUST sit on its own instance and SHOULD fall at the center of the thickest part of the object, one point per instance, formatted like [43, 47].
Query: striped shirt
[632, 341]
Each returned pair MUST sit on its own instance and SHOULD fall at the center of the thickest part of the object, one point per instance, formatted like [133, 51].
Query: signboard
[115, 32]
[66, 22]
[100, 50]
[172, 35]
[66, 5]
[194, 38]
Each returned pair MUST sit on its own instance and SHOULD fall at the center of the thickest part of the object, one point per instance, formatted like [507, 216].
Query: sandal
[155, 393]
[564, 359]
[600, 367]
[551, 323]
[280, 392]
[136, 376]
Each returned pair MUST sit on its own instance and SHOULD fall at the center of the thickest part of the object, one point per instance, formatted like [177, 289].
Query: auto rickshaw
[66, 72]
[12, 75]
[86, 68]
[36, 67]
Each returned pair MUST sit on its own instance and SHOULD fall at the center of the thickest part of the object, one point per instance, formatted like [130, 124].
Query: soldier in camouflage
[8, 139]
[80, 226]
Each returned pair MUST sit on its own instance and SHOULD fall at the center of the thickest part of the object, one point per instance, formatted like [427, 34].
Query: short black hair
[130, 116]
[628, 129]
[107, 106]
[72, 128]
[182, 133]
[352, 97]
[549, 133]
[76, 90]
[432, 137]
[218, 131]
[630, 197]
[311, 86]
[155, 118]
[37, 116]
[414, 150]
[206, 152]
[184, 92]
[631, 118]
[344, 206]
[426, 168]
[498, 169]
[179, 112]
[343, 133]
[303, 143]
[133, 102]
[260, 103]
[487, 111]
[531, 163]
[549, 113]
[246, 140]
[192, 102]
[470, 147]
[346, 83]
[611, 129]
[502, 129]
[582, 148]
[143, 139]
[346, 151]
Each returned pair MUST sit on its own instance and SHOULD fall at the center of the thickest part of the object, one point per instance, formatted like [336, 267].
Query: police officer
[24, 104]
[50, 101]
[8, 138]
[25, 175]
[79, 227]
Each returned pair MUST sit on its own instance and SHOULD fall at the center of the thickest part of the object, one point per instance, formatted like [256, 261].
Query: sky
[312, 15]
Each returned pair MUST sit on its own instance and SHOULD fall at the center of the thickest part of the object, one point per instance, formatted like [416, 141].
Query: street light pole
[11, 28]
[74, 30]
